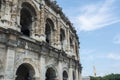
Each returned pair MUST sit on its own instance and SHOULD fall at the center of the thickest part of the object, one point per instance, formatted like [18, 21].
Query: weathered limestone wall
[34, 52]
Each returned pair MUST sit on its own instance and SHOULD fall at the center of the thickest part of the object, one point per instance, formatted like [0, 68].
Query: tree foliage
[107, 77]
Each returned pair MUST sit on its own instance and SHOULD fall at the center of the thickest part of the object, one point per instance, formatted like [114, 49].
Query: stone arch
[51, 74]
[65, 75]
[49, 30]
[0, 4]
[27, 16]
[34, 19]
[71, 42]
[76, 49]
[25, 72]
[62, 37]
[52, 18]
[30, 62]
[31, 3]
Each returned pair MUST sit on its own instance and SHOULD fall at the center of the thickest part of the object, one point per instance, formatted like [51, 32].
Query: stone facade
[85, 78]
[37, 42]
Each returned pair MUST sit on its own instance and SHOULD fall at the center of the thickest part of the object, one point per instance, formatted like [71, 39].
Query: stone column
[74, 51]
[42, 68]
[70, 74]
[77, 74]
[35, 31]
[58, 43]
[60, 73]
[54, 33]
[14, 24]
[67, 41]
[42, 24]
[36, 24]
[2, 13]
[9, 71]
[6, 15]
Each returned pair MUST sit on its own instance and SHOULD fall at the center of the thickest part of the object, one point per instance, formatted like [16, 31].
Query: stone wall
[37, 39]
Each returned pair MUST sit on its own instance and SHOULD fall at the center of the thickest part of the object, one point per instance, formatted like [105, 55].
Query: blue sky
[98, 27]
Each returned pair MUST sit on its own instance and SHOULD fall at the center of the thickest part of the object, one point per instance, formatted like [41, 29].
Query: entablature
[11, 38]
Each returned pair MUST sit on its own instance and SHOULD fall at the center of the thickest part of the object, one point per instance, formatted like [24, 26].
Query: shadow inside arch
[25, 72]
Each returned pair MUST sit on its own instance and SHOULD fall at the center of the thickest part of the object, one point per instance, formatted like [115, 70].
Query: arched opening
[65, 75]
[76, 50]
[25, 21]
[49, 27]
[0, 4]
[27, 16]
[62, 37]
[50, 74]
[71, 43]
[25, 72]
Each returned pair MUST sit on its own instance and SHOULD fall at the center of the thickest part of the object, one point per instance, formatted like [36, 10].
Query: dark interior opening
[25, 72]
[65, 75]
[48, 33]
[62, 36]
[76, 49]
[50, 74]
[27, 17]
[48, 30]
[25, 21]
[0, 4]
[74, 78]
[71, 43]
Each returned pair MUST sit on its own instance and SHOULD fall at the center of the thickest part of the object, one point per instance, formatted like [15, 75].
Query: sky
[98, 26]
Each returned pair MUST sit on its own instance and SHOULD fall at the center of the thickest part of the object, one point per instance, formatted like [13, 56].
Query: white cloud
[92, 55]
[117, 39]
[99, 15]
[113, 56]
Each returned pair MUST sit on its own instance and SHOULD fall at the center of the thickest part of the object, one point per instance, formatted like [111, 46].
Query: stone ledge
[42, 48]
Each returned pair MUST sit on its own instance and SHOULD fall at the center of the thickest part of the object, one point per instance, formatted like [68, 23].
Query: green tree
[107, 77]
[112, 77]
[96, 78]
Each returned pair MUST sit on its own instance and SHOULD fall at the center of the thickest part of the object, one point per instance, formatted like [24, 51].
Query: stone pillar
[9, 71]
[42, 68]
[54, 34]
[74, 51]
[42, 23]
[70, 74]
[14, 24]
[80, 77]
[60, 73]
[6, 15]
[67, 41]
[35, 31]
[58, 43]
[77, 74]
[36, 24]
[54, 39]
